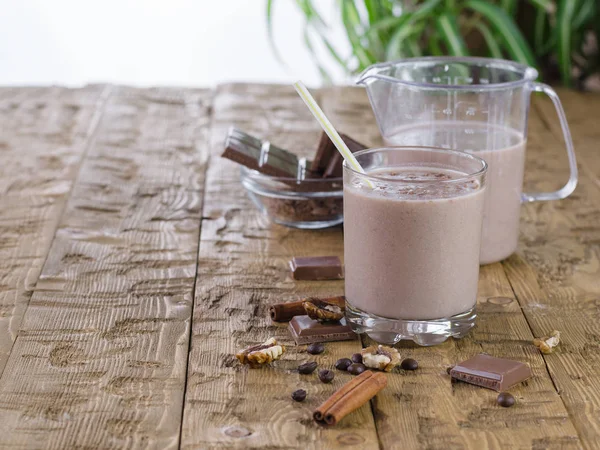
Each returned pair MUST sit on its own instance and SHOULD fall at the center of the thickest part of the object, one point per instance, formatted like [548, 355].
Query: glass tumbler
[412, 234]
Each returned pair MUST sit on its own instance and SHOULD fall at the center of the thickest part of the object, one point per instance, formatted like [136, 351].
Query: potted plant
[559, 37]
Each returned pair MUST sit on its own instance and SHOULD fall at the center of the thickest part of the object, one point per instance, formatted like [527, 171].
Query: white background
[155, 42]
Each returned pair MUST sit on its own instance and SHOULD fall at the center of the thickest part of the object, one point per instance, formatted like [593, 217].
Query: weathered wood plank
[43, 134]
[100, 357]
[242, 270]
[423, 409]
[556, 272]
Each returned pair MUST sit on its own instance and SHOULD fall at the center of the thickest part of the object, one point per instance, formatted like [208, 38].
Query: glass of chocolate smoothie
[412, 233]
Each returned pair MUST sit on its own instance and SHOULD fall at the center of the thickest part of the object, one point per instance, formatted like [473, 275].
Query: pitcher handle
[568, 188]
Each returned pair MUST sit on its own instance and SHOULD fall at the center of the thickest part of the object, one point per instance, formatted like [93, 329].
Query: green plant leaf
[505, 27]
[405, 25]
[447, 28]
[539, 33]
[490, 40]
[546, 5]
[387, 22]
[311, 13]
[586, 14]
[402, 32]
[324, 74]
[564, 29]
[351, 21]
[433, 45]
[425, 9]
[374, 10]
[510, 6]
[414, 49]
[335, 55]
[270, 33]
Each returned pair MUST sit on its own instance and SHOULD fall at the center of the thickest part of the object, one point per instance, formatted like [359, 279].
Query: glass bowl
[312, 203]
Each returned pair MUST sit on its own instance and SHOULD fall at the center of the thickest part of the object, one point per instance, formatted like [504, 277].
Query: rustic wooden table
[133, 266]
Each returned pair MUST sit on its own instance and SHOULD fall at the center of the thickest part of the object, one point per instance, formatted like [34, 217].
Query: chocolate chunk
[492, 373]
[343, 364]
[317, 268]
[326, 376]
[357, 358]
[260, 155]
[328, 161]
[409, 364]
[316, 349]
[299, 395]
[505, 399]
[356, 368]
[307, 368]
[306, 330]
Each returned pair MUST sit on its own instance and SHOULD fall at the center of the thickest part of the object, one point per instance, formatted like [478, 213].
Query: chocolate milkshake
[504, 151]
[412, 237]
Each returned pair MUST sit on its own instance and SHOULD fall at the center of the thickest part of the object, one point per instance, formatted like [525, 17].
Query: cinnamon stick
[283, 312]
[350, 397]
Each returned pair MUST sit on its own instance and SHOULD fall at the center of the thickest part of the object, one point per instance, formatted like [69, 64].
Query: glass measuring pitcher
[477, 105]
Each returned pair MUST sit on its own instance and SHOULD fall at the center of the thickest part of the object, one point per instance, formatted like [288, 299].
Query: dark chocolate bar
[328, 161]
[306, 330]
[262, 155]
[317, 268]
[492, 373]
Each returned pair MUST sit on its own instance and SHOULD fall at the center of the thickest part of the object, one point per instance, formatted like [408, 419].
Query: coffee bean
[326, 376]
[315, 349]
[356, 368]
[307, 367]
[342, 364]
[409, 364]
[505, 399]
[299, 395]
[357, 358]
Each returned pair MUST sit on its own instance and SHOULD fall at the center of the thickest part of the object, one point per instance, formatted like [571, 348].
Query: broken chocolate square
[492, 373]
[317, 268]
[306, 330]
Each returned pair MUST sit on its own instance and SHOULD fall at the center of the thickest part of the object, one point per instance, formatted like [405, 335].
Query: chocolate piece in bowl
[317, 268]
[262, 156]
[328, 161]
[305, 330]
[492, 373]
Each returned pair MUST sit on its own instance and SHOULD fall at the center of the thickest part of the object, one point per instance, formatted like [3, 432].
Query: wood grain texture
[242, 270]
[423, 409]
[43, 134]
[556, 272]
[101, 354]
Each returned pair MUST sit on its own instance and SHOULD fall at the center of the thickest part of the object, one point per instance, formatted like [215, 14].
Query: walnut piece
[547, 344]
[264, 353]
[380, 357]
[324, 310]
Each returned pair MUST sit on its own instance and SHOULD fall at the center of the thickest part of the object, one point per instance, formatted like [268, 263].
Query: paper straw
[328, 127]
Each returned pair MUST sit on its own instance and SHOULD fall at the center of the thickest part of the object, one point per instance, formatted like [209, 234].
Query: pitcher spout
[371, 74]
[377, 72]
